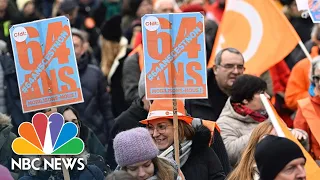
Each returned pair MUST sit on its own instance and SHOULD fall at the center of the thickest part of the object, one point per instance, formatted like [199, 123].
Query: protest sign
[174, 55]
[314, 10]
[45, 62]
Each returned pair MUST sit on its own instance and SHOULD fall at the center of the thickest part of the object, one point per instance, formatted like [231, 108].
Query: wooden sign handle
[176, 132]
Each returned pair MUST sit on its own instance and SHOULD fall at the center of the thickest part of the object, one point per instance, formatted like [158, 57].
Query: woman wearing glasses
[308, 114]
[197, 159]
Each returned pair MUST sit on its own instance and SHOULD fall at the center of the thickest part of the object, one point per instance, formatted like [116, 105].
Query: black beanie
[273, 153]
[286, 2]
[111, 29]
[134, 5]
[67, 6]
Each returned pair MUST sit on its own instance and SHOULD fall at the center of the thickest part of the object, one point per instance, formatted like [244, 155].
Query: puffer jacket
[203, 162]
[235, 131]
[96, 110]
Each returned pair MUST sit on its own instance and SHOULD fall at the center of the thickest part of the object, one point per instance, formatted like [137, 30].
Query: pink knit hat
[5, 174]
[134, 146]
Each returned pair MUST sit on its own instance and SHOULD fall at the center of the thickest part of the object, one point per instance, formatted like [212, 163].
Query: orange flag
[259, 30]
[311, 167]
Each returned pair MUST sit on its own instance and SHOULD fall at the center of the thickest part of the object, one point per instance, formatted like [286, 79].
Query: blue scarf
[311, 90]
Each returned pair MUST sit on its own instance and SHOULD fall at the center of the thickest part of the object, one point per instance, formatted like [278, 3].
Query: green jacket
[91, 141]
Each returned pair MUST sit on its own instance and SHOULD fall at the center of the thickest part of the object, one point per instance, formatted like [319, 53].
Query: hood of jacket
[5, 125]
[4, 120]
[229, 112]
[5, 130]
[201, 139]
[130, 118]
[83, 62]
[136, 110]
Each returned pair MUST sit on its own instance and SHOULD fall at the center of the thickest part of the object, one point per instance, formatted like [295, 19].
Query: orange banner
[259, 30]
[311, 167]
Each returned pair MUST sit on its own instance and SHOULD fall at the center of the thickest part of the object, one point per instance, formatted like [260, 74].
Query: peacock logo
[48, 136]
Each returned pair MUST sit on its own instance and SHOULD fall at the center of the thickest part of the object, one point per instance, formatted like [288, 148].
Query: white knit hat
[22, 3]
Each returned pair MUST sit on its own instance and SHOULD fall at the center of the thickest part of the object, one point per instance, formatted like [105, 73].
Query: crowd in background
[116, 122]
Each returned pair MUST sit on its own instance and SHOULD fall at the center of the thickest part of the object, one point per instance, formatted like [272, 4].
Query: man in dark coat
[96, 109]
[229, 64]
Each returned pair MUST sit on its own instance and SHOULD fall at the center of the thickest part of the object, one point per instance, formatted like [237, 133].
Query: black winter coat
[117, 93]
[203, 162]
[127, 120]
[208, 109]
[95, 111]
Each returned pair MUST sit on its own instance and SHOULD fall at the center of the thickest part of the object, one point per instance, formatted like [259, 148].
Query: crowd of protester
[227, 136]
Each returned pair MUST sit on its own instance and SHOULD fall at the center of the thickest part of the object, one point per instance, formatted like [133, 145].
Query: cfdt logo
[152, 23]
[51, 137]
[20, 34]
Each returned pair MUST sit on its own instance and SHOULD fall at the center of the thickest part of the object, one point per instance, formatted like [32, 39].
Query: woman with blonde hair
[114, 51]
[247, 168]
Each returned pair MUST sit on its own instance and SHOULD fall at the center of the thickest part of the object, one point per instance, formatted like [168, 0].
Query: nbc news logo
[46, 138]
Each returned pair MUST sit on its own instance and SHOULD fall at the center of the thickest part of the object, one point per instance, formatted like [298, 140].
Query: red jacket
[308, 119]
[280, 74]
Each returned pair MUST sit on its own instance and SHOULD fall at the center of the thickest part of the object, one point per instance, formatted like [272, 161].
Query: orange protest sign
[174, 56]
[46, 67]
[259, 30]
[312, 169]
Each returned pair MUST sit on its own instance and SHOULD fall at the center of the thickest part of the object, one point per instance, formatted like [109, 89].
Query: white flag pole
[272, 116]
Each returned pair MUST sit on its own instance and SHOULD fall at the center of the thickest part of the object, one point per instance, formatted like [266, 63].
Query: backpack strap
[211, 125]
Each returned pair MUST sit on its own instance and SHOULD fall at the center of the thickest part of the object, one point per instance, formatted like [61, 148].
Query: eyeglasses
[316, 78]
[239, 67]
[161, 128]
